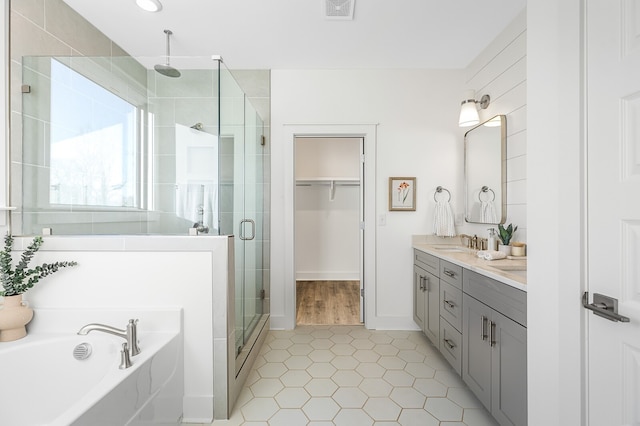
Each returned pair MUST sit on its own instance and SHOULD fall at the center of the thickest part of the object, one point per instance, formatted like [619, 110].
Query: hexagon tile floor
[348, 375]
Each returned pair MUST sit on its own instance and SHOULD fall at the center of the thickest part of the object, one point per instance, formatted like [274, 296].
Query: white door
[613, 189]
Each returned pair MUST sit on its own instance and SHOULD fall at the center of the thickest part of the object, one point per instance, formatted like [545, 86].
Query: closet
[328, 236]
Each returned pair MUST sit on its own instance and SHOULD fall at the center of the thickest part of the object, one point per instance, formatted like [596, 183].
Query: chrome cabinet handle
[449, 304]
[449, 343]
[426, 283]
[421, 285]
[449, 273]
[483, 328]
[603, 306]
[492, 333]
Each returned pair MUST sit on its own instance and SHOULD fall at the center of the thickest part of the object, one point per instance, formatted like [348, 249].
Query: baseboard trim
[327, 276]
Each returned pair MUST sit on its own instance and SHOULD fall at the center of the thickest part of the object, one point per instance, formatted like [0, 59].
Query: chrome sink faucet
[130, 334]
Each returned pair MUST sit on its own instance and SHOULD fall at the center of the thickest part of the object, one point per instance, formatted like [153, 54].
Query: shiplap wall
[500, 71]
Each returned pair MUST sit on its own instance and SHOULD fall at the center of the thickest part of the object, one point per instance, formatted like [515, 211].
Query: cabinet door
[476, 348]
[432, 309]
[418, 295]
[509, 372]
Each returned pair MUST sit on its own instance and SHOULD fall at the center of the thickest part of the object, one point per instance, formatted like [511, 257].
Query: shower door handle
[253, 229]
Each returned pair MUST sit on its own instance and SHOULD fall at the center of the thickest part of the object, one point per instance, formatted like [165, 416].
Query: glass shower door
[242, 205]
[251, 226]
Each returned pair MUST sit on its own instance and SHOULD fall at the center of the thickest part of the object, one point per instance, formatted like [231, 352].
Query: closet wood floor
[328, 302]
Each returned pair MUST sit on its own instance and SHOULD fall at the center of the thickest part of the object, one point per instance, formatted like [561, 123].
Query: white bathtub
[43, 384]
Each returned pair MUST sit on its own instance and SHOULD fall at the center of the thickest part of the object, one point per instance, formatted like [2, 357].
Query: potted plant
[505, 235]
[14, 314]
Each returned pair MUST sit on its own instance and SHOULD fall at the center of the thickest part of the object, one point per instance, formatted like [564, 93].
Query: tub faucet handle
[132, 337]
[125, 360]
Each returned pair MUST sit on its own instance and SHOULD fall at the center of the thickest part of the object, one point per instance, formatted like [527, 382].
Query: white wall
[500, 71]
[417, 135]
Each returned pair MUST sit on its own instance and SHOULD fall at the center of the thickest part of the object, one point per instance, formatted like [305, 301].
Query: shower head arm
[168, 33]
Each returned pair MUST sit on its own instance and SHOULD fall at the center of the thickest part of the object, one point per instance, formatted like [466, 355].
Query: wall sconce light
[469, 109]
[149, 5]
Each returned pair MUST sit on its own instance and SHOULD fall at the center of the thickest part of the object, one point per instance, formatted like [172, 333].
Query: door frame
[556, 191]
[368, 132]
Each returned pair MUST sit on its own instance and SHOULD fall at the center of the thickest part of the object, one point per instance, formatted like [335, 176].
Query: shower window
[94, 158]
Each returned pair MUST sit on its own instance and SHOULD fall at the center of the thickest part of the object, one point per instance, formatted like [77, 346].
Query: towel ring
[439, 191]
[486, 189]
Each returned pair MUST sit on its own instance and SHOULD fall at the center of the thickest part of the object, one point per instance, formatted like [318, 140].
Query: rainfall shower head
[166, 69]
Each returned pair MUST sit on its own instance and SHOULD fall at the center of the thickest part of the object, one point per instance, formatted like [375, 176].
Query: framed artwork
[402, 194]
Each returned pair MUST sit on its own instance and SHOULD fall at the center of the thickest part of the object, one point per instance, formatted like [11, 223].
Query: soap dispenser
[492, 242]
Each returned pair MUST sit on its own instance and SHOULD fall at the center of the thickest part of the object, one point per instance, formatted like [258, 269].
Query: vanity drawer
[427, 262]
[451, 304]
[451, 345]
[451, 273]
[505, 299]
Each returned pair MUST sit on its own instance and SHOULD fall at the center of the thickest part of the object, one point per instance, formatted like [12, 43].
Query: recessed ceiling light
[149, 5]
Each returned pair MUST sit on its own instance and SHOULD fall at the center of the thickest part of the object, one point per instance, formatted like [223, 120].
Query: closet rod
[332, 183]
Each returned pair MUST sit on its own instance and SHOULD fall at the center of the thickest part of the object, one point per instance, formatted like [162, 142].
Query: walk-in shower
[109, 146]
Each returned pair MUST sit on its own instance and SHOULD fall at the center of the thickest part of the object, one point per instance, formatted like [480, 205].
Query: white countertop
[468, 259]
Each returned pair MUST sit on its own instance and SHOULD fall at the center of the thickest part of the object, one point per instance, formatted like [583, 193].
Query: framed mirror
[485, 172]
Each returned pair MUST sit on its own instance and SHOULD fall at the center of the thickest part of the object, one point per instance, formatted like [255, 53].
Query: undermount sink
[510, 268]
[450, 248]
[520, 270]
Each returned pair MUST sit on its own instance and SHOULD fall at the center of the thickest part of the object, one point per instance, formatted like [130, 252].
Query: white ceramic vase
[14, 316]
[504, 249]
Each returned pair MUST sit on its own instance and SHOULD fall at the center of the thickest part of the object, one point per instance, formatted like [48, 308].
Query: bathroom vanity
[475, 312]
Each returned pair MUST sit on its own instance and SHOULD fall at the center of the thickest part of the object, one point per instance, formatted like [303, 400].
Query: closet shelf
[306, 181]
[331, 182]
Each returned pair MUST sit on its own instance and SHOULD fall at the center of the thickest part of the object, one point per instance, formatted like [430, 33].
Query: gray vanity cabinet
[494, 349]
[426, 294]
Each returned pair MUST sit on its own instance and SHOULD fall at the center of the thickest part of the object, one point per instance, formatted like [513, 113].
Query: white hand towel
[488, 212]
[210, 213]
[444, 222]
[189, 198]
[494, 255]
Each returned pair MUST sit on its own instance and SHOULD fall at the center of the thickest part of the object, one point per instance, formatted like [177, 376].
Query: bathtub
[42, 383]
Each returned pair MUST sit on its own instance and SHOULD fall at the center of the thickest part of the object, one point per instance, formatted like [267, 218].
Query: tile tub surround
[348, 375]
[467, 258]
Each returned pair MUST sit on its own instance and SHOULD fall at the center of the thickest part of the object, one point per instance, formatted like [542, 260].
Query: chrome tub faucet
[130, 334]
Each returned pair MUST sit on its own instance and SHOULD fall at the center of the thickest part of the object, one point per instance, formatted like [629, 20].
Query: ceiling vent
[338, 9]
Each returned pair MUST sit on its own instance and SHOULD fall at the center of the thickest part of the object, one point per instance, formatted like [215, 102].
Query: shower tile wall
[187, 100]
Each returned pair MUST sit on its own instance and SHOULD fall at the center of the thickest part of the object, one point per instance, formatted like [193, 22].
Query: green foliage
[505, 235]
[17, 281]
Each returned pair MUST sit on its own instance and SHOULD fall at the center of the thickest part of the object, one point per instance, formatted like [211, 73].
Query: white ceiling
[293, 34]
